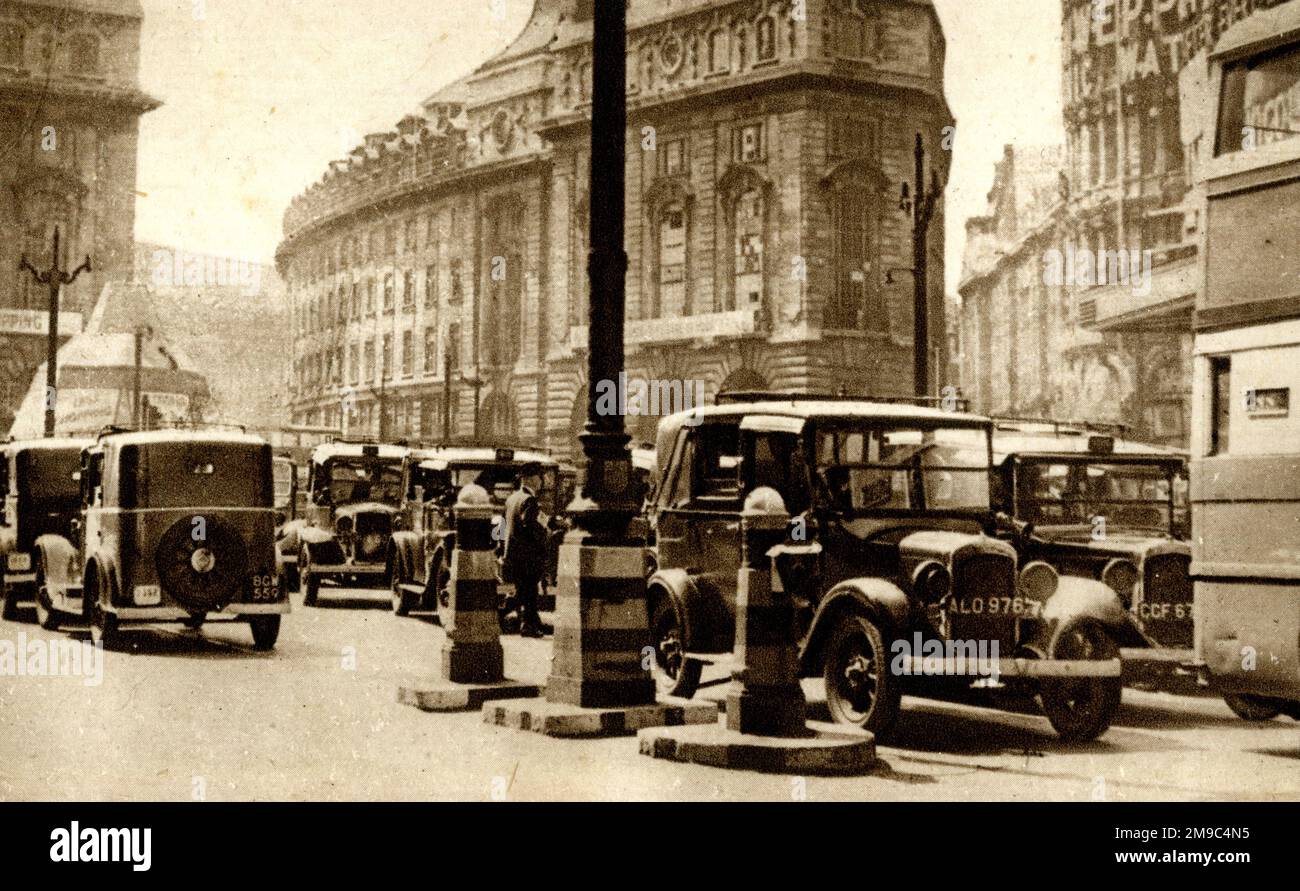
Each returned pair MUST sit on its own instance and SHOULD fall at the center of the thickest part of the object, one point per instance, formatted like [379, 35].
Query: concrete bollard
[473, 661]
[765, 697]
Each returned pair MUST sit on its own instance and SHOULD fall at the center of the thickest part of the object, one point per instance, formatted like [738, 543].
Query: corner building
[767, 145]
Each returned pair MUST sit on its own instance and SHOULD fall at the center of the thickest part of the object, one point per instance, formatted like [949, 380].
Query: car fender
[704, 628]
[289, 537]
[406, 550]
[1078, 597]
[56, 555]
[106, 567]
[882, 600]
[321, 545]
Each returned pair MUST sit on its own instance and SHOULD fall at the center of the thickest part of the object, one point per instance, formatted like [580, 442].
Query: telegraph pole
[922, 207]
[55, 277]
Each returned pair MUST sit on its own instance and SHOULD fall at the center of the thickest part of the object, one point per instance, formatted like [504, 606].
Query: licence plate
[148, 595]
[20, 562]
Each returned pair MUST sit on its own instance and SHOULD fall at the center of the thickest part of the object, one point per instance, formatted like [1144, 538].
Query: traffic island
[819, 752]
[599, 684]
[473, 661]
[766, 725]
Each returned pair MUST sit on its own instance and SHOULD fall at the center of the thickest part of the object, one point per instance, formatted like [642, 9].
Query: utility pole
[55, 277]
[922, 207]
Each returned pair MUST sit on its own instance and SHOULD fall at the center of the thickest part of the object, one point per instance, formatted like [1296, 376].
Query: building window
[354, 364]
[411, 241]
[388, 292]
[856, 303]
[370, 296]
[747, 144]
[719, 50]
[457, 283]
[408, 353]
[355, 309]
[672, 157]
[370, 362]
[453, 346]
[430, 286]
[1111, 149]
[766, 37]
[748, 244]
[387, 357]
[1221, 403]
[390, 239]
[672, 259]
[430, 350]
[1094, 154]
[11, 45]
[408, 290]
[504, 245]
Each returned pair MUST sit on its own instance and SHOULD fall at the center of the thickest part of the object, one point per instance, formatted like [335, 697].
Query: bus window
[1221, 407]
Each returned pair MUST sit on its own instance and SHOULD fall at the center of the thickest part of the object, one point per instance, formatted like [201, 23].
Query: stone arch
[667, 197]
[743, 379]
[745, 236]
[498, 420]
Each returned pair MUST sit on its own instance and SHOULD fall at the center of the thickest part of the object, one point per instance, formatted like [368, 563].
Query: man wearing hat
[524, 561]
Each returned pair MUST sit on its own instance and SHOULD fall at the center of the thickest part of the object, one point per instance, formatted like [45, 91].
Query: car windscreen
[49, 473]
[863, 468]
[354, 480]
[1077, 492]
[195, 474]
[499, 481]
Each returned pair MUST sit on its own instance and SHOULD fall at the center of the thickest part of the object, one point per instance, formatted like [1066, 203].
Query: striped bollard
[765, 696]
[473, 661]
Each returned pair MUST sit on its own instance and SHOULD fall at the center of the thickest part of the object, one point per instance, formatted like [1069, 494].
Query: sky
[259, 96]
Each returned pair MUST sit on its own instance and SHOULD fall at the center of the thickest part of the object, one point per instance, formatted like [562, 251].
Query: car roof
[814, 408]
[1070, 442]
[162, 437]
[51, 444]
[328, 450]
[445, 455]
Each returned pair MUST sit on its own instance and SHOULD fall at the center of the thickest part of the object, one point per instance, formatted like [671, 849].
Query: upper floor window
[747, 144]
[765, 35]
[719, 50]
[430, 286]
[672, 157]
[412, 237]
[388, 292]
[457, 281]
[430, 349]
[408, 289]
[11, 45]
[857, 302]
[408, 353]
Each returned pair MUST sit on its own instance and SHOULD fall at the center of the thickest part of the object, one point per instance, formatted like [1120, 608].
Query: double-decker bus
[1246, 378]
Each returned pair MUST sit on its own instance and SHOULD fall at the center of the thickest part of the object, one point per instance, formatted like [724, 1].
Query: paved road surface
[184, 715]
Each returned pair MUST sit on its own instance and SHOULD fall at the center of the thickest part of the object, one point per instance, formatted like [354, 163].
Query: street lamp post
[921, 205]
[56, 278]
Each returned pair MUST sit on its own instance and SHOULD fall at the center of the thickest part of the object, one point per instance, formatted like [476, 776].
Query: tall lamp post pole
[607, 503]
[55, 277]
[922, 207]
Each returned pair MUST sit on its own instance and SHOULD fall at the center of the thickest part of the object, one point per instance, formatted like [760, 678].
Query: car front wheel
[675, 673]
[859, 688]
[104, 630]
[9, 594]
[266, 631]
[46, 615]
[1081, 709]
[403, 601]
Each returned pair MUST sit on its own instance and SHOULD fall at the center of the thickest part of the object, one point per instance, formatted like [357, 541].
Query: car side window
[92, 481]
[677, 490]
[717, 462]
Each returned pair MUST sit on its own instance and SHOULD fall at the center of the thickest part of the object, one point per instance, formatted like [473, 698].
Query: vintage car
[38, 485]
[1095, 505]
[290, 504]
[175, 526]
[420, 552]
[354, 492]
[892, 544]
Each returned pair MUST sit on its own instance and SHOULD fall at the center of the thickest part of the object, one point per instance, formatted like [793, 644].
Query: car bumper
[1015, 668]
[347, 569]
[175, 614]
[20, 578]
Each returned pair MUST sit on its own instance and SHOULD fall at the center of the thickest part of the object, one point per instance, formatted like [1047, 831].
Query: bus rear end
[1246, 429]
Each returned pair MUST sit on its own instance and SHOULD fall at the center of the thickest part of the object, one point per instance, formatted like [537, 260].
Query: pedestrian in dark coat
[524, 562]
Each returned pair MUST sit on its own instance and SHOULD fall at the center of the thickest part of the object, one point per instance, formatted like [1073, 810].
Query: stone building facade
[1124, 225]
[70, 104]
[767, 144]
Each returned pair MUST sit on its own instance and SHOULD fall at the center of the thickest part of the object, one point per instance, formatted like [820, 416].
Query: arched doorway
[743, 380]
[497, 420]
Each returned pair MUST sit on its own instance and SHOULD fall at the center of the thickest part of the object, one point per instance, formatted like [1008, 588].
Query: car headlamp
[1121, 576]
[1038, 581]
[932, 582]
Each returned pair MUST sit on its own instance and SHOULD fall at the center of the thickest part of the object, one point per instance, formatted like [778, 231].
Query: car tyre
[9, 595]
[266, 631]
[104, 629]
[308, 583]
[1081, 709]
[1252, 708]
[859, 687]
[46, 615]
[675, 674]
[403, 601]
